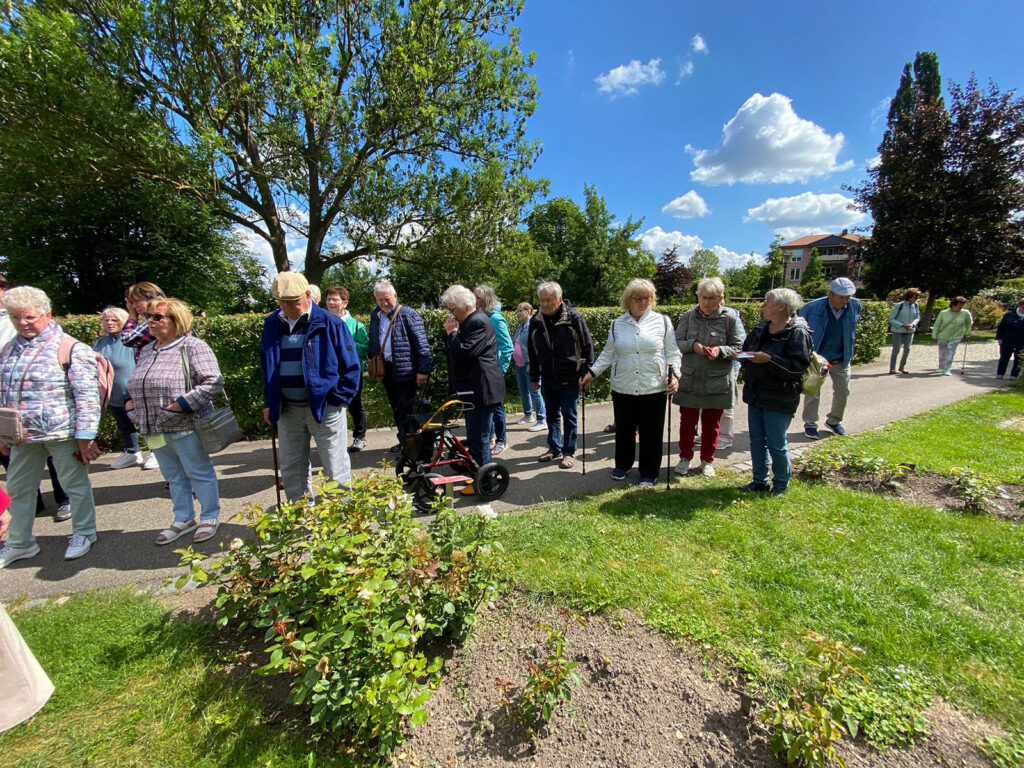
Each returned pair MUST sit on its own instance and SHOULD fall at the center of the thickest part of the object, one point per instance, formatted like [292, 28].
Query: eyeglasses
[157, 316]
[24, 318]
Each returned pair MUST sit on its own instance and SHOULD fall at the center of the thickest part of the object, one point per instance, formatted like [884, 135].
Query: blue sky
[721, 123]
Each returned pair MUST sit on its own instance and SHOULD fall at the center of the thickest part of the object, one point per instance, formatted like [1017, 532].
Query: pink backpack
[103, 367]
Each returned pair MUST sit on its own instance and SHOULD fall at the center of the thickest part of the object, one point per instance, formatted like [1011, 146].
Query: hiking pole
[583, 436]
[277, 470]
[963, 363]
[668, 407]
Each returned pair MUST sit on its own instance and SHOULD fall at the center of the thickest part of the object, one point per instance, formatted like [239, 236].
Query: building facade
[837, 254]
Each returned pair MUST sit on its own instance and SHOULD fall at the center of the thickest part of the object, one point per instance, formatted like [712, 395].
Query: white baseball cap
[842, 286]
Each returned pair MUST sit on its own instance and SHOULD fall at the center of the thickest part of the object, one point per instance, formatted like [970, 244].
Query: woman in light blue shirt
[903, 322]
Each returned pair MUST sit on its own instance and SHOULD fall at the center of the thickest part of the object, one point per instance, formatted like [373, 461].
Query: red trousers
[710, 418]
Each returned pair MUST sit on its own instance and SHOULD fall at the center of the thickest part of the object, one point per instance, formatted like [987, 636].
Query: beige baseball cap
[288, 286]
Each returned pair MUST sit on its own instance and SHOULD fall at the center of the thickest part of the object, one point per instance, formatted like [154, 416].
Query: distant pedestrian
[561, 350]
[640, 351]
[903, 322]
[310, 375]
[707, 336]
[534, 413]
[775, 356]
[487, 300]
[59, 412]
[337, 302]
[398, 334]
[952, 326]
[833, 322]
[123, 361]
[1010, 337]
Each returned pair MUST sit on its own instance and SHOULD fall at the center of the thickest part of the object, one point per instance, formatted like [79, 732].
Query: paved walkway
[133, 505]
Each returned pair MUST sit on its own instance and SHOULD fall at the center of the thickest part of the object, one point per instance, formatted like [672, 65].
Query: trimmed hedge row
[235, 339]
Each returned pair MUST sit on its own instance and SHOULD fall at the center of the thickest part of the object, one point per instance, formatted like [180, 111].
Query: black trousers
[401, 397]
[645, 413]
[355, 407]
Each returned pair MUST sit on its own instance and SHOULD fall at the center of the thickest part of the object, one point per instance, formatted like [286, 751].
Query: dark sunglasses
[157, 316]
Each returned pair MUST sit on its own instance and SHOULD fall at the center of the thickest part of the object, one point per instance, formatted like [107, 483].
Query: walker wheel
[491, 481]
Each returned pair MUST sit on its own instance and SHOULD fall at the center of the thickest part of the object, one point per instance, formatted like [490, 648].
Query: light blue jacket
[815, 313]
[904, 313]
[504, 339]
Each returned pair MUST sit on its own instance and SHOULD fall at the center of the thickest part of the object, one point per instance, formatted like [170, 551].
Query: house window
[796, 255]
[830, 272]
[794, 273]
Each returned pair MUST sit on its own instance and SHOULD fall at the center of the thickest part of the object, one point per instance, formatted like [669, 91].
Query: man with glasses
[310, 375]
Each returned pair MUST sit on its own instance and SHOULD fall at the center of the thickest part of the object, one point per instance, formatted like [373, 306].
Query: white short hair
[785, 296]
[550, 288]
[384, 286]
[117, 312]
[712, 286]
[314, 292]
[487, 296]
[460, 296]
[26, 297]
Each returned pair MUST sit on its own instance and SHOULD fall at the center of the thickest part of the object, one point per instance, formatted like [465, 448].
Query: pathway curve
[133, 505]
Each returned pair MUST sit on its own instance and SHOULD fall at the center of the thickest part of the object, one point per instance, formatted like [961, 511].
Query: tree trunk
[926, 316]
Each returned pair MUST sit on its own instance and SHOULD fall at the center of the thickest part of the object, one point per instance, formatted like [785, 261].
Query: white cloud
[729, 259]
[685, 70]
[627, 78]
[766, 141]
[657, 241]
[806, 214]
[257, 246]
[872, 162]
[570, 63]
[689, 206]
[697, 44]
[880, 113]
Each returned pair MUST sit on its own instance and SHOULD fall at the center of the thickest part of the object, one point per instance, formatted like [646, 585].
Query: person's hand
[587, 378]
[698, 348]
[89, 451]
[5, 449]
[712, 352]
[671, 384]
[266, 415]
[173, 406]
[450, 325]
[421, 379]
[129, 405]
[5, 520]
[535, 384]
[760, 357]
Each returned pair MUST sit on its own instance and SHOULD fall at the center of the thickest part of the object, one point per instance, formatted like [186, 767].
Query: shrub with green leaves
[975, 488]
[889, 709]
[346, 594]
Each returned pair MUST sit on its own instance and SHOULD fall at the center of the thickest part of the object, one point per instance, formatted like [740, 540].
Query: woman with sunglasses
[174, 384]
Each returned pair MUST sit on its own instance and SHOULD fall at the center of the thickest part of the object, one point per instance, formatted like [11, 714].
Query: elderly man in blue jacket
[833, 321]
[310, 374]
[400, 331]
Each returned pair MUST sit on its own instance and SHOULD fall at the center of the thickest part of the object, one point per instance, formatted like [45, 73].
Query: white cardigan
[639, 353]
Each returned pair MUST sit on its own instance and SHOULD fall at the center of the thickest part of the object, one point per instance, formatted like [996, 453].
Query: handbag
[375, 368]
[219, 429]
[11, 431]
[815, 374]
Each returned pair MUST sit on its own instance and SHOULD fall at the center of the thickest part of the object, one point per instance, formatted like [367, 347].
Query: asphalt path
[133, 505]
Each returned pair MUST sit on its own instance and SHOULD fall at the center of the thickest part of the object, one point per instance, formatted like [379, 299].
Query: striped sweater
[54, 404]
[159, 380]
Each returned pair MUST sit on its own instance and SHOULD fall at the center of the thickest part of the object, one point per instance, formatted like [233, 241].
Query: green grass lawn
[976, 337]
[134, 687]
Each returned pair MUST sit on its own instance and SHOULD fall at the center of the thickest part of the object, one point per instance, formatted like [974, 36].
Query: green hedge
[235, 339]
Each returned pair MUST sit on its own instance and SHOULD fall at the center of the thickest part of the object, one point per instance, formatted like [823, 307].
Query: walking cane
[583, 436]
[277, 470]
[668, 454]
[963, 363]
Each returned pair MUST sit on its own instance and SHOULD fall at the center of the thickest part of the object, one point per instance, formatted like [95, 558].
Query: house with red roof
[835, 251]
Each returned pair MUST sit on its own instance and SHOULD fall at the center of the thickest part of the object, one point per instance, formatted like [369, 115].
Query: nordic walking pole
[963, 363]
[277, 470]
[583, 435]
[668, 454]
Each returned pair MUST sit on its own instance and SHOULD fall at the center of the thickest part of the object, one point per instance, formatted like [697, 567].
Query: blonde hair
[713, 286]
[177, 310]
[486, 296]
[638, 287]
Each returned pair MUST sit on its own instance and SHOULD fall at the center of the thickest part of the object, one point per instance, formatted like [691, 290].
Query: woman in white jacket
[640, 350]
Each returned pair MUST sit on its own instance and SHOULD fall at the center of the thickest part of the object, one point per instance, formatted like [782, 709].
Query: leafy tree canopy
[704, 263]
[672, 278]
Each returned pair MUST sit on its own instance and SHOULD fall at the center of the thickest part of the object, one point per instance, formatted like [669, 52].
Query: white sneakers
[682, 467]
[11, 554]
[531, 419]
[540, 426]
[150, 462]
[78, 545]
[126, 460]
[705, 468]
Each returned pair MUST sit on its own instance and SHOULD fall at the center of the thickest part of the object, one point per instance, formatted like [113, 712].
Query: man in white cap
[833, 321]
[310, 374]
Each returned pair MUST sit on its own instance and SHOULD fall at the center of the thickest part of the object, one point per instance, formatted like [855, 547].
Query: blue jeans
[561, 411]
[187, 468]
[478, 431]
[129, 432]
[497, 430]
[532, 401]
[768, 436]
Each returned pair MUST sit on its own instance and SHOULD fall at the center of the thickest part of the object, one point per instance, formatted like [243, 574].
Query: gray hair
[117, 312]
[787, 296]
[486, 296]
[384, 286]
[27, 297]
[460, 296]
[549, 288]
[712, 286]
[314, 292]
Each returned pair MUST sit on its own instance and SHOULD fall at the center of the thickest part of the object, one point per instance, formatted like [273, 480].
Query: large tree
[704, 263]
[672, 278]
[593, 256]
[946, 193]
[73, 224]
[357, 126]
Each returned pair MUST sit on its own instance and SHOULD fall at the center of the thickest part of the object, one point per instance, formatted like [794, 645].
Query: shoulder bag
[219, 429]
[375, 368]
